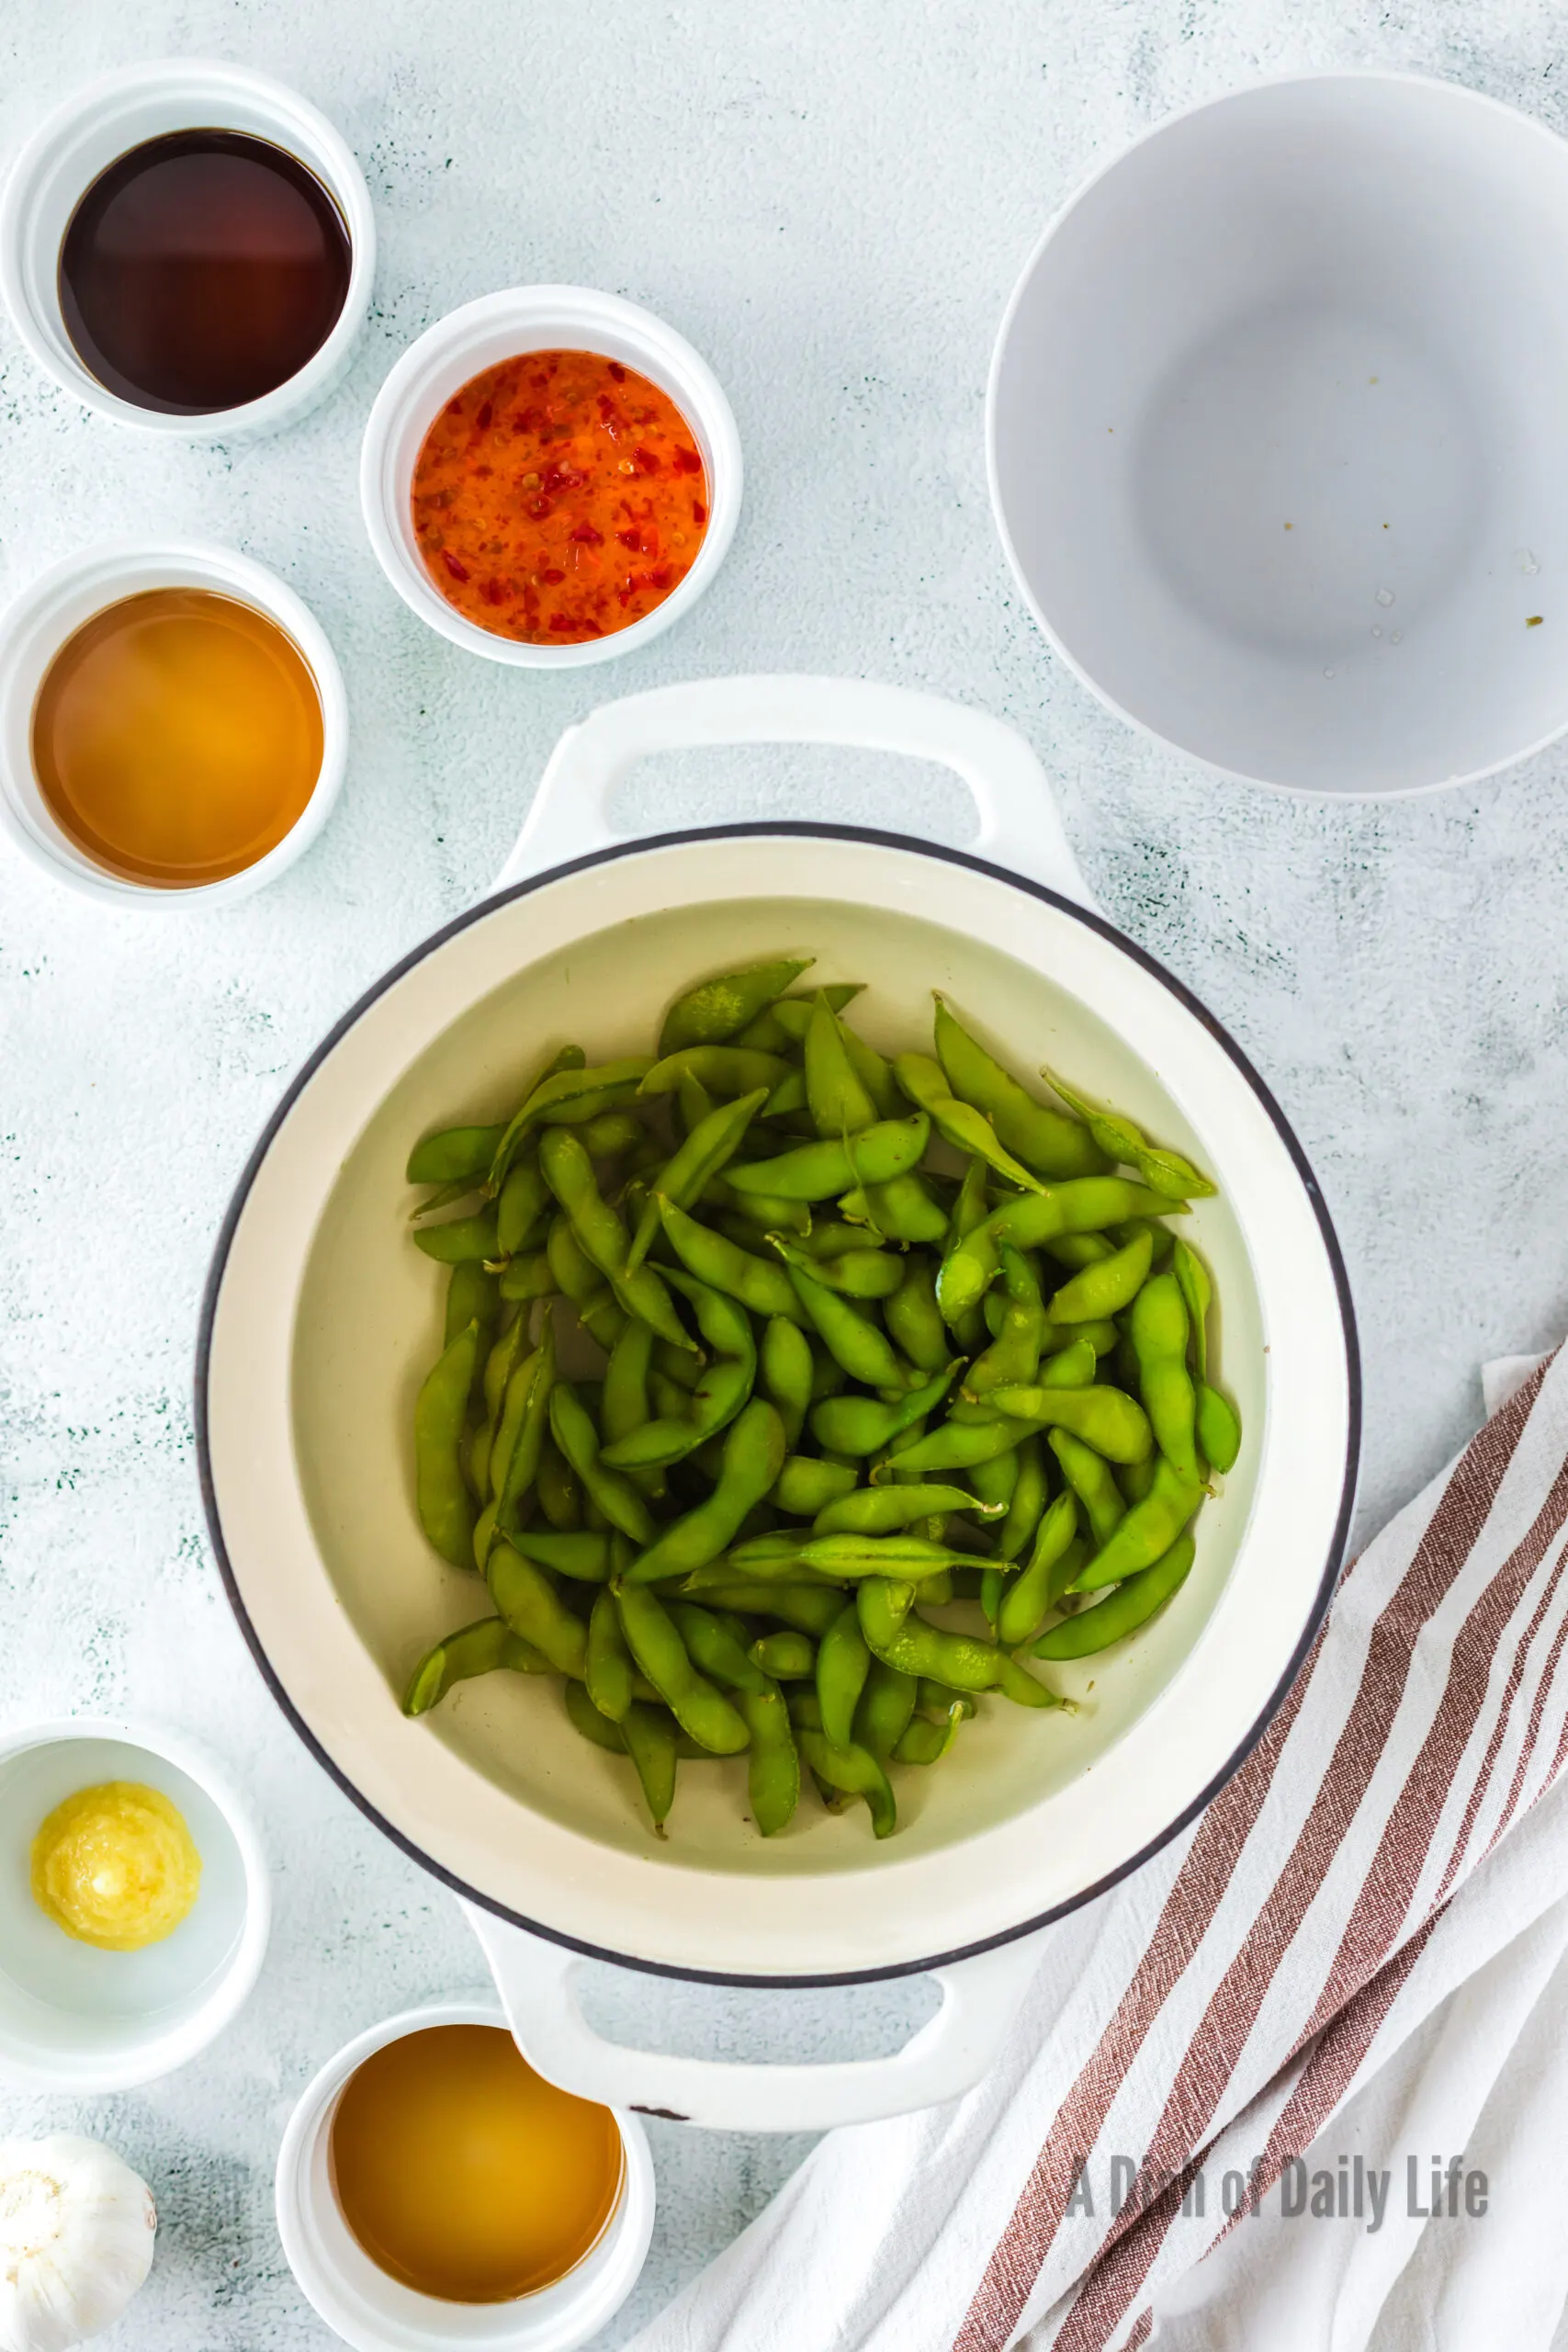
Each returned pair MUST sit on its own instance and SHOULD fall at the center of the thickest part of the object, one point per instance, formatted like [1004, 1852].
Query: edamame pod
[1164, 1171]
[719, 1009]
[446, 1507]
[1147, 1531]
[958, 1122]
[1043, 1138]
[817, 1171]
[697, 1704]
[476, 1649]
[1131, 1605]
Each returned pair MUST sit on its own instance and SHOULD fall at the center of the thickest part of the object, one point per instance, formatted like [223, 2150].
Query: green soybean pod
[476, 1649]
[560, 1497]
[1131, 1605]
[928, 1743]
[446, 1507]
[913, 1318]
[461, 1239]
[571, 1425]
[772, 1761]
[757, 1283]
[784, 1364]
[456, 1156]
[522, 1465]
[786, 1657]
[712, 1141]
[887, 1510]
[902, 1209]
[1159, 1328]
[865, 1352]
[1219, 1429]
[1105, 1418]
[585, 1555]
[806, 1486]
[532, 1607]
[1029, 1594]
[1147, 1531]
[650, 1735]
[1104, 1289]
[754, 1456]
[1043, 1138]
[524, 1200]
[1165, 1171]
[716, 1010]
[958, 1122]
[473, 1295]
[1013, 1355]
[839, 1102]
[808, 1607]
[885, 1707]
[817, 1171]
[609, 1661]
[856, 1274]
[1026, 1502]
[1091, 1479]
[842, 1664]
[856, 1772]
[697, 1705]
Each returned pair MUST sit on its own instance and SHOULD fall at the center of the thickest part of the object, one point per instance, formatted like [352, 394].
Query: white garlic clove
[76, 2230]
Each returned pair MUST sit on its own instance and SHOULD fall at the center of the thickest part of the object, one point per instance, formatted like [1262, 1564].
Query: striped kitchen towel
[1394, 1838]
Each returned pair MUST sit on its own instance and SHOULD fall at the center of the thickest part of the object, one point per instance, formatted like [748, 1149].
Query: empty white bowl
[484, 334]
[375, 2312]
[90, 129]
[75, 2018]
[38, 622]
[1275, 431]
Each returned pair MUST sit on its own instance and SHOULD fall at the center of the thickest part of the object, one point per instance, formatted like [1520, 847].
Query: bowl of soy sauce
[188, 248]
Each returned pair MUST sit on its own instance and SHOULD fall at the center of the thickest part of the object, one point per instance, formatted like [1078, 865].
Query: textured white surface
[832, 204]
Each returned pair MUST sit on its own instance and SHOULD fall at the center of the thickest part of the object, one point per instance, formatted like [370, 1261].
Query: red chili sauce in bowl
[559, 497]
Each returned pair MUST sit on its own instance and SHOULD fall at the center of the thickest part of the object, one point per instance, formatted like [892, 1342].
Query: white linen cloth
[1359, 1951]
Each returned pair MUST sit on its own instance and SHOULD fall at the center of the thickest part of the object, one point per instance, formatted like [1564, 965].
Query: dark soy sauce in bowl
[202, 270]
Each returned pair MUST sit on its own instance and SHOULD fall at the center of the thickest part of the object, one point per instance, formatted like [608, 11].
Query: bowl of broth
[173, 724]
[435, 2192]
[188, 248]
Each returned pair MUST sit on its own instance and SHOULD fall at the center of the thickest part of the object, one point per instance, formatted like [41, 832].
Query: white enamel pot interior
[321, 1320]
[1275, 432]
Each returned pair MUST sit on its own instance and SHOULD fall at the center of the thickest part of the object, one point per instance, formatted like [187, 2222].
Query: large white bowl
[1276, 440]
[321, 1320]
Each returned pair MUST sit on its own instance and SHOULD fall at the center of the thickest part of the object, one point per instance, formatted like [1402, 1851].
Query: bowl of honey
[188, 247]
[550, 476]
[134, 1908]
[173, 724]
[435, 2194]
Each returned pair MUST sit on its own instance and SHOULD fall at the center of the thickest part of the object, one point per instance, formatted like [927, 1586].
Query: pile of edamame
[876, 1337]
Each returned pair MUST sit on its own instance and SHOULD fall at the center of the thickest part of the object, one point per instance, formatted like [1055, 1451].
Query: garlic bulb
[77, 2229]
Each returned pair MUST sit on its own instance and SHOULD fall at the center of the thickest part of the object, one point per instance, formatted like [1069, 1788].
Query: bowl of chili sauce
[550, 476]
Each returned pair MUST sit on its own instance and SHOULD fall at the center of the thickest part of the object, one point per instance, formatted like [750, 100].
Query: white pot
[1275, 431]
[320, 1320]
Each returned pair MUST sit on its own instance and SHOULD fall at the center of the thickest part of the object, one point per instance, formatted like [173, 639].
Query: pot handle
[1020, 826]
[981, 1997]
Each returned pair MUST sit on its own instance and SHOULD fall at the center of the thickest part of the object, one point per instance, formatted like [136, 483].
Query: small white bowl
[378, 2313]
[78, 2019]
[481, 335]
[91, 130]
[1276, 434]
[38, 623]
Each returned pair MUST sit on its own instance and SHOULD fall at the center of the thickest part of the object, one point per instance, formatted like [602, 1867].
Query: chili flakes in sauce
[559, 497]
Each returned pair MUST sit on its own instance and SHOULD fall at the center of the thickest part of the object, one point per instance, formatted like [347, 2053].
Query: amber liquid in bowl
[177, 737]
[466, 2175]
